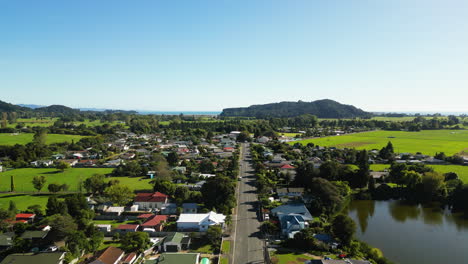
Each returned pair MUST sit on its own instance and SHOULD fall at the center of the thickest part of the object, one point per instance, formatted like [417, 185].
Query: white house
[199, 222]
[146, 201]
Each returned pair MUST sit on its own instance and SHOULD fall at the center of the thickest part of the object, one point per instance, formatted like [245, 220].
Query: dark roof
[34, 234]
[189, 205]
[28, 258]
[6, 239]
[178, 258]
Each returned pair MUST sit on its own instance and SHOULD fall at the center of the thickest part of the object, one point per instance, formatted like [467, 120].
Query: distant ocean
[178, 112]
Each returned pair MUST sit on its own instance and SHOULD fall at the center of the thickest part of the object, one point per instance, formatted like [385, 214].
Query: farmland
[24, 138]
[461, 171]
[46, 122]
[427, 142]
[73, 177]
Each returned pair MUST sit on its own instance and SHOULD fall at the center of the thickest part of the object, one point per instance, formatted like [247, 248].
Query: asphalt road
[248, 247]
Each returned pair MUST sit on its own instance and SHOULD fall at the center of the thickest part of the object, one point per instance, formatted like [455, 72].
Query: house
[39, 258]
[156, 222]
[130, 258]
[180, 169]
[25, 217]
[113, 210]
[263, 139]
[179, 258]
[175, 242]
[71, 162]
[379, 175]
[199, 222]
[189, 208]
[6, 240]
[294, 209]
[147, 201]
[127, 228]
[290, 192]
[36, 237]
[104, 228]
[169, 208]
[111, 255]
[291, 224]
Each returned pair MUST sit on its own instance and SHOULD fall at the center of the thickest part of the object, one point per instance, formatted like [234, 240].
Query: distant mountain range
[321, 108]
[55, 109]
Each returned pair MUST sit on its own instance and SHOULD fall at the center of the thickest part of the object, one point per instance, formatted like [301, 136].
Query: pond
[411, 234]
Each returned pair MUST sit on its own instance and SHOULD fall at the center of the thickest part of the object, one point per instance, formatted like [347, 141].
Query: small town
[233, 132]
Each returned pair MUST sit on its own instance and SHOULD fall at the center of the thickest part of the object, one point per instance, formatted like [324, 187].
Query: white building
[199, 222]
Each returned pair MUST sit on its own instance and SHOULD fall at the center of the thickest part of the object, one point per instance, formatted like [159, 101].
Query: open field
[73, 177]
[46, 122]
[461, 171]
[288, 134]
[23, 201]
[24, 138]
[428, 141]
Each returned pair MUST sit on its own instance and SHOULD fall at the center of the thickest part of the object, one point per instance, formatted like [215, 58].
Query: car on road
[239, 178]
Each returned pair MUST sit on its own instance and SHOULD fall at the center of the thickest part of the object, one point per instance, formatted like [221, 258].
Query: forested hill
[321, 108]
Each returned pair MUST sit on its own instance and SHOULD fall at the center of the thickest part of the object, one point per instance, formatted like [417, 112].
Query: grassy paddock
[289, 258]
[22, 201]
[428, 141]
[461, 171]
[73, 177]
[24, 138]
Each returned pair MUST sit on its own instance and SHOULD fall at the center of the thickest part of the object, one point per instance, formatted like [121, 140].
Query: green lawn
[224, 260]
[428, 141]
[24, 138]
[289, 134]
[226, 247]
[73, 177]
[107, 244]
[33, 122]
[22, 201]
[461, 171]
[113, 223]
[289, 258]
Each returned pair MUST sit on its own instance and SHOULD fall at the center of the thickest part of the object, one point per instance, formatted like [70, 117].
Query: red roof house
[155, 222]
[130, 258]
[127, 228]
[148, 201]
[111, 255]
[287, 167]
[25, 217]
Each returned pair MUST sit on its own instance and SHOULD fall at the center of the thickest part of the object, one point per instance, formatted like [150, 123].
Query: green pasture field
[33, 122]
[73, 177]
[24, 138]
[23, 201]
[461, 171]
[427, 142]
[289, 134]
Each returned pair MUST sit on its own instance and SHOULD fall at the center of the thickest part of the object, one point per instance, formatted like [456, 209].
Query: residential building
[147, 201]
[199, 222]
[25, 217]
[294, 209]
[156, 222]
[175, 242]
[111, 255]
[189, 208]
[127, 228]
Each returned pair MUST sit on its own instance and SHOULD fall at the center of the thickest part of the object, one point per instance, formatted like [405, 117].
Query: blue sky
[394, 55]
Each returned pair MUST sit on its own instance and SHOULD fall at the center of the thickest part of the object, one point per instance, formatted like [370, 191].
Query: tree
[54, 188]
[95, 241]
[181, 194]
[38, 182]
[164, 186]
[206, 166]
[62, 225]
[95, 184]
[40, 137]
[361, 177]
[12, 208]
[243, 136]
[12, 184]
[344, 228]
[327, 198]
[219, 193]
[213, 234]
[135, 241]
[269, 227]
[119, 194]
[55, 206]
[62, 166]
[76, 242]
[172, 158]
